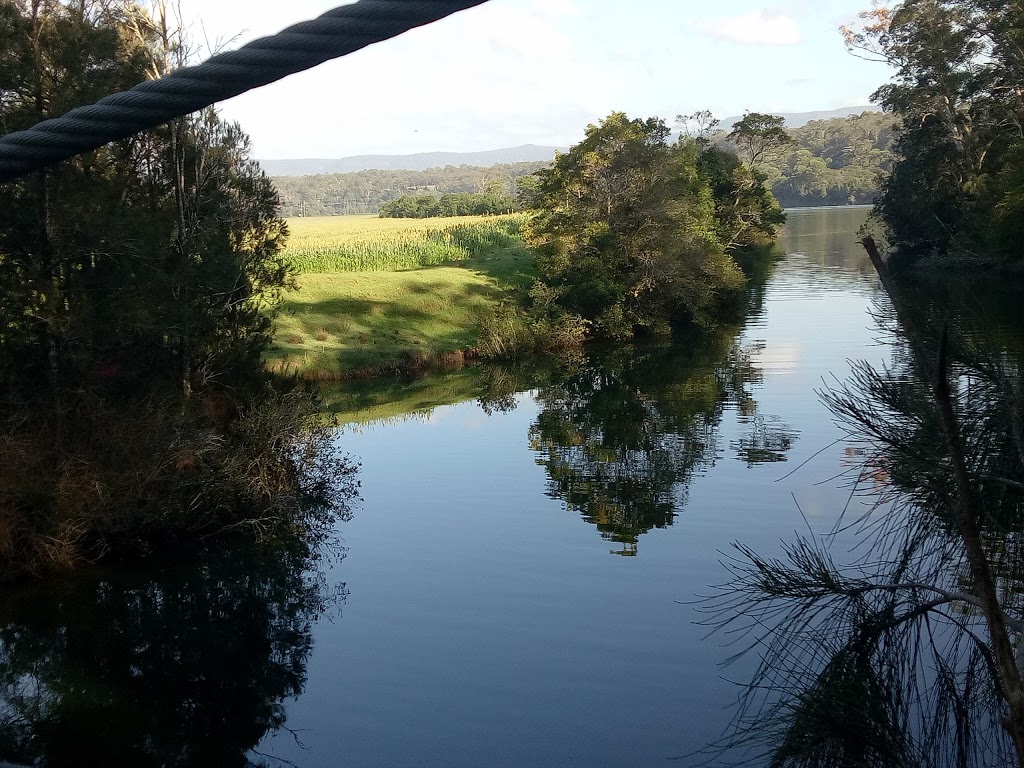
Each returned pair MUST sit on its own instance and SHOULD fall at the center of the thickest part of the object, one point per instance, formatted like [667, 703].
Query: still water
[518, 584]
[492, 619]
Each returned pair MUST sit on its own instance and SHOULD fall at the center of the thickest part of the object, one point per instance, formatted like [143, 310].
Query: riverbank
[383, 295]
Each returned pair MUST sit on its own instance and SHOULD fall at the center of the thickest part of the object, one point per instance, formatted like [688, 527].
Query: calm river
[517, 586]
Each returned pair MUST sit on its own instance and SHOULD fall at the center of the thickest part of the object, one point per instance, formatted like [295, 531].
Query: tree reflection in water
[623, 432]
[179, 667]
[911, 654]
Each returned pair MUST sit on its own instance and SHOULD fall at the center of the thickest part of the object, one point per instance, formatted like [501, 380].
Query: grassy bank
[381, 294]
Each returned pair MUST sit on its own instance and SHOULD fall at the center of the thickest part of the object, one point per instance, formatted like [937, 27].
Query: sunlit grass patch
[377, 294]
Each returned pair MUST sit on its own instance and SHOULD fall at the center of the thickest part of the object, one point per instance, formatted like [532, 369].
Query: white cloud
[499, 75]
[758, 28]
[512, 72]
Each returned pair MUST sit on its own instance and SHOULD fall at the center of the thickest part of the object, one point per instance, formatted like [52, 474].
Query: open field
[366, 305]
[328, 244]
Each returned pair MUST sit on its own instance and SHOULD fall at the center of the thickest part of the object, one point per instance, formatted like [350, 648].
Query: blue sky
[513, 72]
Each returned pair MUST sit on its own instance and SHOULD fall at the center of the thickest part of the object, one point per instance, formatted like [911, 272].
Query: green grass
[347, 323]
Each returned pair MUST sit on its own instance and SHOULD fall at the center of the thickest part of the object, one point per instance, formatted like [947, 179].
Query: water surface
[519, 579]
[492, 617]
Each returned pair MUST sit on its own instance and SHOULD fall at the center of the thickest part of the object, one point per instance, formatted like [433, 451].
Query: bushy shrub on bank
[145, 478]
[512, 331]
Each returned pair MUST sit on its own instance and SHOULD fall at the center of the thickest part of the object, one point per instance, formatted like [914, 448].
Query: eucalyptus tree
[959, 92]
[760, 138]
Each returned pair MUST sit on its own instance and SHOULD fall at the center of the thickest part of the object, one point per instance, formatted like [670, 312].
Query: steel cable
[337, 33]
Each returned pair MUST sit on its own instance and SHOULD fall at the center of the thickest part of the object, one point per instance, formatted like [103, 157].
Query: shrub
[89, 485]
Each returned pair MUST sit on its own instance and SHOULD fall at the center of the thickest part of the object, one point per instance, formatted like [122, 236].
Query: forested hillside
[833, 162]
[420, 161]
[331, 194]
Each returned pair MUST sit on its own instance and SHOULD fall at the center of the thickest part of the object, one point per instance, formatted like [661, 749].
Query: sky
[514, 72]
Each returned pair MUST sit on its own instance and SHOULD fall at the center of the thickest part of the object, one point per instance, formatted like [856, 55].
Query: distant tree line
[830, 162]
[365, 192]
[457, 204]
[835, 162]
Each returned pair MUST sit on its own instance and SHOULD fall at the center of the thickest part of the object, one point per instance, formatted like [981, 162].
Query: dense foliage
[835, 162]
[958, 187]
[365, 192]
[134, 288]
[633, 233]
[492, 203]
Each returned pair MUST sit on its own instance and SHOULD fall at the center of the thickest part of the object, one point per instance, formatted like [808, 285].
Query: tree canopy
[760, 138]
[957, 186]
[492, 203]
[633, 233]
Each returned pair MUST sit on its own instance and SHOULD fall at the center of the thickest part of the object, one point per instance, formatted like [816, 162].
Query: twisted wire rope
[302, 46]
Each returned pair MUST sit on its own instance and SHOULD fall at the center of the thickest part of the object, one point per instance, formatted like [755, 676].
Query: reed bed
[322, 245]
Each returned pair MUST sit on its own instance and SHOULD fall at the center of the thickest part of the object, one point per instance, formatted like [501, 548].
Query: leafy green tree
[746, 212]
[156, 256]
[760, 138]
[957, 92]
[626, 232]
[528, 193]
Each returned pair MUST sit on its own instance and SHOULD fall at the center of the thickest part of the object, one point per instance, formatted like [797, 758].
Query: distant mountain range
[527, 153]
[800, 119]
